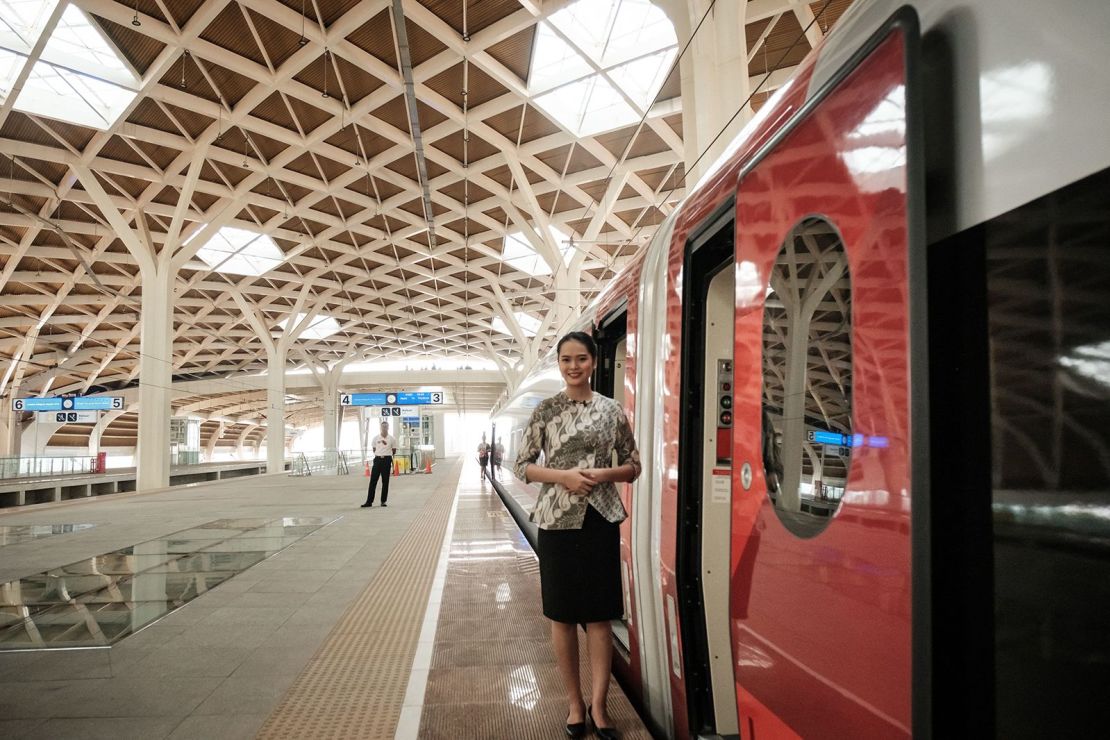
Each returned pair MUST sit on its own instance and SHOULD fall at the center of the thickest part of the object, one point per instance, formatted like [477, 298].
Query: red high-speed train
[867, 363]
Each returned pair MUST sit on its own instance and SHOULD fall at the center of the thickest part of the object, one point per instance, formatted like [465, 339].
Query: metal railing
[31, 467]
[407, 460]
[327, 462]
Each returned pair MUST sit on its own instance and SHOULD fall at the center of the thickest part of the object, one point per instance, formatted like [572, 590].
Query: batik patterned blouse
[577, 434]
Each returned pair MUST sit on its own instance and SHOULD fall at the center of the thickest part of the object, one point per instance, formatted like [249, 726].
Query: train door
[822, 583]
[609, 380]
[704, 485]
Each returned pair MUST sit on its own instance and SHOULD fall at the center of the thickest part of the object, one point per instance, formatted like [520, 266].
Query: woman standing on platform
[578, 514]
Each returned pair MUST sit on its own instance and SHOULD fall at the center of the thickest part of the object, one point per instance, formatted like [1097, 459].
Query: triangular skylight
[529, 325]
[517, 251]
[240, 252]
[598, 64]
[321, 326]
[80, 77]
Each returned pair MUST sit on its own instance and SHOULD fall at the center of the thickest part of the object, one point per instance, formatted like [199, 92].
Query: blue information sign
[362, 399]
[418, 399]
[69, 403]
[423, 398]
[830, 438]
[846, 440]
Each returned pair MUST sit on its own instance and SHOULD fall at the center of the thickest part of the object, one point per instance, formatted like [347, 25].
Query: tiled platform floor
[491, 672]
[219, 666]
[475, 664]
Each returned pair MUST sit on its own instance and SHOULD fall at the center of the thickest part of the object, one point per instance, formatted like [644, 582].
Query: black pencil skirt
[580, 571]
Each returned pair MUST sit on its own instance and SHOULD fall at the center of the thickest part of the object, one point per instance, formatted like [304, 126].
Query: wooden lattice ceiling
[310, 142]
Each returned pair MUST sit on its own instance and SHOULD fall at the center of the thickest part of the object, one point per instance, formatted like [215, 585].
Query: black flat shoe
[366, 506]
[605, 733]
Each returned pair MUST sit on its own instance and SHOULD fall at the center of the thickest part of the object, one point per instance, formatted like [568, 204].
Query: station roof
[294, 113]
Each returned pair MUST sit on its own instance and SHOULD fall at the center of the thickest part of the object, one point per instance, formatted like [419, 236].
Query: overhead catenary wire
[647, 108]
[655, 207]
[753, 93]
[624, 153]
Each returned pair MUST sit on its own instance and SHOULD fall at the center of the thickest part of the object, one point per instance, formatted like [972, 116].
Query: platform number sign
[69, 403]
[397, 398]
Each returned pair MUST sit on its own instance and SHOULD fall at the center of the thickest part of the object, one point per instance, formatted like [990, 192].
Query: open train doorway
[705, 478]
[612, 344]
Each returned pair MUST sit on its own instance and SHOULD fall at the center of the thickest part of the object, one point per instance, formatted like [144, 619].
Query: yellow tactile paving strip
[355, 685]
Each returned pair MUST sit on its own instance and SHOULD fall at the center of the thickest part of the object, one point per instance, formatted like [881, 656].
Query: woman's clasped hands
[579, 481]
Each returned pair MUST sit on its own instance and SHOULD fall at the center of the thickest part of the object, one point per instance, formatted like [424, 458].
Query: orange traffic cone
[366, 469]
[428, 464]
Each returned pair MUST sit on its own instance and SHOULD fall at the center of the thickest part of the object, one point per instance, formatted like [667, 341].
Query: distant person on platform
[385, 446]
[497, 451]
[483, 455]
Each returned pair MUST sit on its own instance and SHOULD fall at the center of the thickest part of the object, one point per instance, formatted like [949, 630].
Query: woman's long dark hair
[582, 338]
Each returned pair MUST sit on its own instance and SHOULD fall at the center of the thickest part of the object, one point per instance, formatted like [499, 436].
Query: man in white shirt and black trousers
[384, 447]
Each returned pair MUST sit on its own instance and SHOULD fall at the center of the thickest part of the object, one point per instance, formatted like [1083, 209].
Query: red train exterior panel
[821, 626]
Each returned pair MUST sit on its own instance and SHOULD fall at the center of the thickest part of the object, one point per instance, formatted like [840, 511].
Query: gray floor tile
[55, 665]
[253, 694]
[273, 616]
[14, 664]
[108, 728]
[187, 615]
[236, 727]
[317, 614]
[278, 656]
[236, 635]
[104, 697]
[190, 661]
[16, 729]
[122, 658]
[250, 599]
[290, 584]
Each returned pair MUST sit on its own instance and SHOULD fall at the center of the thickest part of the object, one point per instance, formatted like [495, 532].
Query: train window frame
[814, 513]
[610, 331]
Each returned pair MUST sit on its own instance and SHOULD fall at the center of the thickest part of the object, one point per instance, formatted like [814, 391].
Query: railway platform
[277, 608]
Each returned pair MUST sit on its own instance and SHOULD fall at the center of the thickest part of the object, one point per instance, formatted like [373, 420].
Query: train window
[1048, 324]
[611, 338]
[807, 377]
